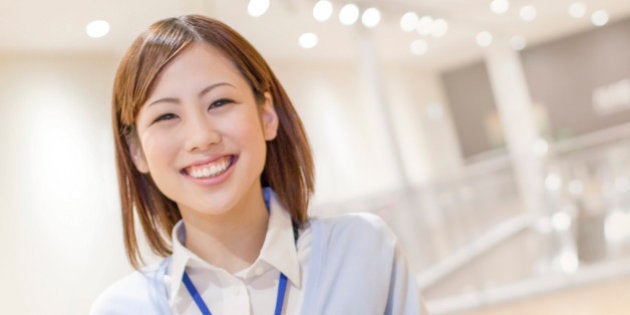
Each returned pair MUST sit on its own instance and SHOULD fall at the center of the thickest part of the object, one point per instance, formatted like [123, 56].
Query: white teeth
[209, 170]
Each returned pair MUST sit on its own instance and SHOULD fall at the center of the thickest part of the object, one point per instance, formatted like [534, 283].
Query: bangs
[147, 56]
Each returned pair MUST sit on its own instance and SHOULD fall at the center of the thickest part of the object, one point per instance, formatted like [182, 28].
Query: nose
[201, 134]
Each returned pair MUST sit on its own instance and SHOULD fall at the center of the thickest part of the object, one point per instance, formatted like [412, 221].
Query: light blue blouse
[356, 267]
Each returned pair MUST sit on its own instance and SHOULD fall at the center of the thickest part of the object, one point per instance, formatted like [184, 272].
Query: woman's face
[202, 135]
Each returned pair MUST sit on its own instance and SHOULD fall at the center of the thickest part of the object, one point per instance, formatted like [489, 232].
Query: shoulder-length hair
[289, 165]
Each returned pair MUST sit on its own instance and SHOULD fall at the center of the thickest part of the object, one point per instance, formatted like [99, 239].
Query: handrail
[459, 258]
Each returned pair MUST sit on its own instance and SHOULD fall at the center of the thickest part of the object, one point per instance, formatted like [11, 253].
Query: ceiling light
[435, 111]
[617, 226]
[577, 9]
[528, 13]
[553, 182]
[567, 261]
[96, 29]
[409, 21]
[349, 14]
[599, 18]
[419, 47]
[518, 42]
[499, 6]
[424, 25]
[575, 187]
[484, 39]
[257, 8]
[308, 40]
[561, 221]
[622, 184]
[439, 28]
[322, 10]
[371, 17]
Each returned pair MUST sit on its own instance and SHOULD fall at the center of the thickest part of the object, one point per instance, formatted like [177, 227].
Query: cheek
[251, 134]
[158, 150]
[245, 127]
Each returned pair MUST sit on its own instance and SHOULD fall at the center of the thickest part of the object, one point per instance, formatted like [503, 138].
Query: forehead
[194, 68]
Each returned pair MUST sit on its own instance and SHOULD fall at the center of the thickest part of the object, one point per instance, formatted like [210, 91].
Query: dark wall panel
[563, 76]
[470, 98]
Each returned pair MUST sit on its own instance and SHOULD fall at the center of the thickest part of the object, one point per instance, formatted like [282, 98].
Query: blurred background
[491, 135]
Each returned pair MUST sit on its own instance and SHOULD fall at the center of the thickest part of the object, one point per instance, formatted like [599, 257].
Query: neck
[232, 240]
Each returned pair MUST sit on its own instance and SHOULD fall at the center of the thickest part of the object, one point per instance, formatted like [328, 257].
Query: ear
[269, 118]
[137, 155]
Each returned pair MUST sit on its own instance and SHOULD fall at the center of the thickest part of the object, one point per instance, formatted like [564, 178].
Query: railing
[472, 243]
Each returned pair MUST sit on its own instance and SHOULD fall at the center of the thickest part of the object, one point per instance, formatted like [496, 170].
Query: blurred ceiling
[59, 26]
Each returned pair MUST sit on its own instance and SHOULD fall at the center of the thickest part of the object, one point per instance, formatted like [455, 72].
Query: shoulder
[355, 227]
[355, 234]
[353, 265]
[141, 292]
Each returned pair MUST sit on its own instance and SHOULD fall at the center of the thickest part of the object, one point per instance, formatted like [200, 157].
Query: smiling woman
[211, 151]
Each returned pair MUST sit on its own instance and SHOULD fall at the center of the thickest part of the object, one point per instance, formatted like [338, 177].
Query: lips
[210, 169]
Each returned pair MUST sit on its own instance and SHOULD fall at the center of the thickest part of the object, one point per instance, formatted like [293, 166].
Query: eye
[221, 102]
[163, 117]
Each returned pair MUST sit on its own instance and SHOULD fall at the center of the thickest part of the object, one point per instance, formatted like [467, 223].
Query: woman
[214, 163]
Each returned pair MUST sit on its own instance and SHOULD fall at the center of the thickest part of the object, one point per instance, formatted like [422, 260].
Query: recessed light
[96, 29]
[577, 10]
[371, 17]
[322, 10]
[349, 14]
[257, 8]
[599, 18]
[518, 42]
[499, 6]
[419, 47]
[409, 21]
[484, 39]
[308, 40]
[424, 25]
[528, 13]
[439, 28]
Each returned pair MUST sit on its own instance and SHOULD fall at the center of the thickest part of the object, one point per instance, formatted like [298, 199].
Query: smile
[210, 169]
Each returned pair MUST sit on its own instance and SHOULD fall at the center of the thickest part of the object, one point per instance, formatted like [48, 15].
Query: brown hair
[289, 164]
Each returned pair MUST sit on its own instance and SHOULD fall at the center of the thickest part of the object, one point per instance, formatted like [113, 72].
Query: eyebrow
[202, 93]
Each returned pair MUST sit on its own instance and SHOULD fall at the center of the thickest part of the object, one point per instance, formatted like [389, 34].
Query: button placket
[236, 298]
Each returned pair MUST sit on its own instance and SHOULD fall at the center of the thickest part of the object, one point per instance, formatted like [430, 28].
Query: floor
[600, 298]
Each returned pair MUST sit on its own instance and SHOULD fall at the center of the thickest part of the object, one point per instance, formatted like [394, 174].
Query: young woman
[214, 163]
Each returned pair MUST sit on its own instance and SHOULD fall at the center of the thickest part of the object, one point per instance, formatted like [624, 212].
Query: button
[167, 280]
[236, 290]
[259, 270]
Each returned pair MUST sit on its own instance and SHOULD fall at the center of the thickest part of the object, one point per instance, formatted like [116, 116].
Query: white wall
[423, 122]
[352, 151]
[60, 218]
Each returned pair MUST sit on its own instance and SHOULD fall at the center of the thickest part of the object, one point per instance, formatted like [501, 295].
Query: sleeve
[134, 294]
[404, 297]
[111, 302]
[357, 267]
[108, 305]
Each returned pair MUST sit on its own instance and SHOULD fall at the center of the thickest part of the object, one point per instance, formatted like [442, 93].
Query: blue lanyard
[282, 282]
[282, 288]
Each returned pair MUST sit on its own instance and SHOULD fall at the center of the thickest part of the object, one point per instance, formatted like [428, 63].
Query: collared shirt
[355, 266]
[252, 290]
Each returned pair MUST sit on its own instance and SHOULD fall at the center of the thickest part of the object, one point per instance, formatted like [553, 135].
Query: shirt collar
[278, 250]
